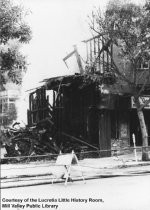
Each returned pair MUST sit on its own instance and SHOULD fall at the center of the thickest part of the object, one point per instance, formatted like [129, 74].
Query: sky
[56, 26]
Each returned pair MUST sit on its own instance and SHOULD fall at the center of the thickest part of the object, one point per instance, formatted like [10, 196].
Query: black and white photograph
[75, 104]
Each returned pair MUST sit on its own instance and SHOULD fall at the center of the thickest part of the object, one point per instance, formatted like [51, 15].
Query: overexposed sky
[56, 26]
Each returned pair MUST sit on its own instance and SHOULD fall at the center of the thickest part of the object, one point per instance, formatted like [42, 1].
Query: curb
[98, 176]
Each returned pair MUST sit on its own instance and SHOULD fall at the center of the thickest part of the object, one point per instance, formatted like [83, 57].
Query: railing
[81, 155]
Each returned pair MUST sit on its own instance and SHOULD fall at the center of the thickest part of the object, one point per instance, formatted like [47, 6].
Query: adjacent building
[8, 113]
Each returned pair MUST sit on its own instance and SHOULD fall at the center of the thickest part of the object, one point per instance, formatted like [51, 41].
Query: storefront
[125, 123]
[134, 121]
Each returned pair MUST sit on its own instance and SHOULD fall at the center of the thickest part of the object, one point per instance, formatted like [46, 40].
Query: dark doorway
[105, 133]
[93, 126]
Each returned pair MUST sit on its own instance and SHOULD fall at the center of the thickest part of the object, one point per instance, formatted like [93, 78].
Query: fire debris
[38, 140]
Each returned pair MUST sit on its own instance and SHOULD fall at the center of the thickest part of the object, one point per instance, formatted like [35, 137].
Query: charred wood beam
[39, 109]
[78, 59]
[79, 140]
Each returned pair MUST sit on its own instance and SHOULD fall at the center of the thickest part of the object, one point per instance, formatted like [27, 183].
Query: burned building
[93, 106]
[78, 109]
[101, 115]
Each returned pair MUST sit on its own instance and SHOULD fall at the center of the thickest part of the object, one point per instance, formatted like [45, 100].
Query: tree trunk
[145, 156]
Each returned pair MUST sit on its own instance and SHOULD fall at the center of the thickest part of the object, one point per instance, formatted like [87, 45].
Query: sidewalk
[91, 167]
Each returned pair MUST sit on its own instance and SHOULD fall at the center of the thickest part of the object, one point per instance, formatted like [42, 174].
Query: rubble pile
[40, 139]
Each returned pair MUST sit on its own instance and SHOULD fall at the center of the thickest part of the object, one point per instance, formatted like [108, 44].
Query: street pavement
[117, 193]
[40, 172]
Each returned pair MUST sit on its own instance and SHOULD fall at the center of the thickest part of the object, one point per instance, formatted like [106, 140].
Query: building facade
[8, 112]
[94, 106]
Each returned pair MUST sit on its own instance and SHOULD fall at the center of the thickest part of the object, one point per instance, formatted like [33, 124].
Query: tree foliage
[12, 24]
[127, 27]
[14, 32]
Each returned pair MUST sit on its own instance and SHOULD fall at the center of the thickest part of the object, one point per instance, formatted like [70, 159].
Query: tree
[14, 32]
[127, 27]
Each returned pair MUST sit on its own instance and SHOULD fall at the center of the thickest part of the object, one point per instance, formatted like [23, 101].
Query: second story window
[143, 65]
